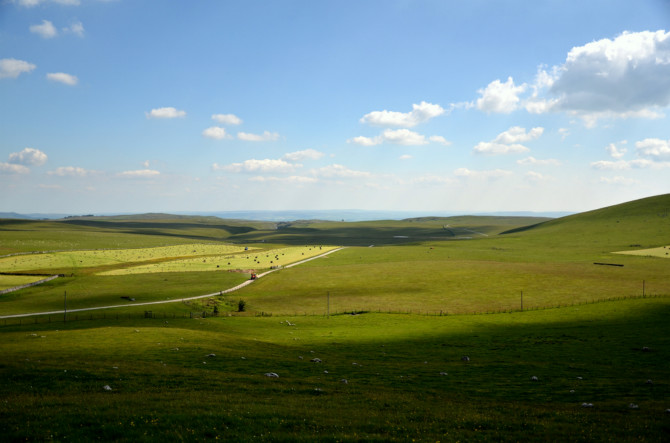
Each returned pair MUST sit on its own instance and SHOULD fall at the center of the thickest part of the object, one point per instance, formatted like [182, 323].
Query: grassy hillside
[203, 379]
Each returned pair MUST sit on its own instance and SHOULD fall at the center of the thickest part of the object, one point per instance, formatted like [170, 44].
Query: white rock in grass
[649, 382]
[211, 355]
[316, 360]
[443, 373]
[633, 406]
[345, 381]
[272, 374]
[107, 388]
[465, 358]
[587, 405]
[534, 378]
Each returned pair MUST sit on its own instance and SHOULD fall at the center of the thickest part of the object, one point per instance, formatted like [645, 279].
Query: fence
[150, 315]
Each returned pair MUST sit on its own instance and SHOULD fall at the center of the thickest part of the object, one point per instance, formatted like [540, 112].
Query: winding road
[226, 291]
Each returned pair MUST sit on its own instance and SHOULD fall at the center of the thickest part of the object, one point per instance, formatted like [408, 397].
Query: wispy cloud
[46, 29]
[264, 137]
[227, 119]
[12, 68]
[168, 112]
[61, 77]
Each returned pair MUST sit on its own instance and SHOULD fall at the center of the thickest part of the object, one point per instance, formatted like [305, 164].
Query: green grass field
[401, 358]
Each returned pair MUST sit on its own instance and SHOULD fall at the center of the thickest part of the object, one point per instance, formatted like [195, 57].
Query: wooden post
[521, 301]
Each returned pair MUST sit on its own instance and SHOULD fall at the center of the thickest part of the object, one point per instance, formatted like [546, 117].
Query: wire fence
[151, 315]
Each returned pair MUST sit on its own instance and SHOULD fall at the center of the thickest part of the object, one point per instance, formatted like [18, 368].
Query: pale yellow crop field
[84, 259]
[663, 252]
[246, 260]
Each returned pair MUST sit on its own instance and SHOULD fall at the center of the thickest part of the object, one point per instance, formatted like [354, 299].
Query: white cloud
[76, 28]
[264, 137]
[216, 133]
[433, 180]
[654, 148]
[29, 156]
[366, 141]
[534, 161]
[491, 174]
[168, 112]
[403, 137]
[11, 168]
[439, 139]
[564, 132]
[493, 148]
[12, 68]
[45, 30]
[616, 152]
[227, 119]
[420, 113]
[618, 180]
[340, 171]
[307, 154]
[626, 77]
[500, 97]
[70, 171]
[507, 142]
[253, 165]
[142, 173]
[622, 165]
[405, 157]
[62, 77]
[517, 134]
[396, 136]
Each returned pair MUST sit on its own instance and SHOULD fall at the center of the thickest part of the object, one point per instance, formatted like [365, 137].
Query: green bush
[241, 306]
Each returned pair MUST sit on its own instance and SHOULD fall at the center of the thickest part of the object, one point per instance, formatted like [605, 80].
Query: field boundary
[28, 285]
[225, 291]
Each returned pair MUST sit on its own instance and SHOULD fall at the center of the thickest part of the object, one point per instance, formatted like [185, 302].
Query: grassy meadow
[573, 365]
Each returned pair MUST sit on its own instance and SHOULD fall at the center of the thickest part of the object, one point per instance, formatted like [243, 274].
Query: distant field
[85, 259]
[663, 252]
[235, 259]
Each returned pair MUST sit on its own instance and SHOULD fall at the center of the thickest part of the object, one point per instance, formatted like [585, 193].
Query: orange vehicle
[253, 276]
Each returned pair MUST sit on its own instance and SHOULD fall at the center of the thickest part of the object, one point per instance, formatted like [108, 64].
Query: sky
[131, 106]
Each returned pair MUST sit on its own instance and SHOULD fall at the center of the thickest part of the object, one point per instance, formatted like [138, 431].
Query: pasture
[571, 365]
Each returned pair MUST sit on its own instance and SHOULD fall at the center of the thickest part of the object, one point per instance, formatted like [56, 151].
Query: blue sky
[444, 106]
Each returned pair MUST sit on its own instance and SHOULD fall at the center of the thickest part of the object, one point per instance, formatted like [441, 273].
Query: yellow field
[249, 260]
[102, 257]
[663, 251]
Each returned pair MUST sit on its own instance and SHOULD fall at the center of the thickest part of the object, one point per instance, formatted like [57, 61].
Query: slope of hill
[635, 224]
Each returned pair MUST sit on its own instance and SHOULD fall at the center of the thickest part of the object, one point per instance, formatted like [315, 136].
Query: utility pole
[64, 306]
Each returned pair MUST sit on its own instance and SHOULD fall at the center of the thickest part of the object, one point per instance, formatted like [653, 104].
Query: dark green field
[588, 359]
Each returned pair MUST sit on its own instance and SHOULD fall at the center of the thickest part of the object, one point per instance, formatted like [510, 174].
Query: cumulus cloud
[168, 112]
[227, 119]
[70, 171]
[45, 30]
[29, 156]
[264, 137]
[215, 132]
[307, 154]
[253, 165]
[540, 162]
[142, 173]
[536, 177]
[507, 142]
[339, 171]
[12, 68]
[11, 168]
[517, 134]
[61, 77]
[420, 113]
[615, 151]
[399, 137]
[654, 148]
[500, 97]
